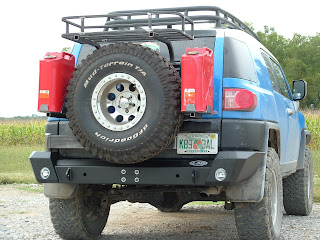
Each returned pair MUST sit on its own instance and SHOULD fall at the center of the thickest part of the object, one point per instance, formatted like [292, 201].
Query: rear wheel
[82, 217]
[298, 189]
[262, 220]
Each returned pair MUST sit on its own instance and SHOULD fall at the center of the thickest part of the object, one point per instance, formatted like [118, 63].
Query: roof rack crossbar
[129, 22]
[218, 11]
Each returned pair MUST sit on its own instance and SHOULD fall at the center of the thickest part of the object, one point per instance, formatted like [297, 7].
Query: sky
[29, 29]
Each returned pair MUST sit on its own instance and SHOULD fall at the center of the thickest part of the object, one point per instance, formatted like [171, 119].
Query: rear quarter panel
[266, 109]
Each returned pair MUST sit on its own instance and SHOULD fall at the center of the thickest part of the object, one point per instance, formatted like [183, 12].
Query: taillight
[235, 99]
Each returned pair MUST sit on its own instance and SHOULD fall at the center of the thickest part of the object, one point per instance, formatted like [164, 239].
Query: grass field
[18, 139]
[316, 177]
[15, 166]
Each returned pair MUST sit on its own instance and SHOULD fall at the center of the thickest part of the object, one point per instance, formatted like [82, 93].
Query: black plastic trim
[234, 134]
[243, 134]
[304, 141]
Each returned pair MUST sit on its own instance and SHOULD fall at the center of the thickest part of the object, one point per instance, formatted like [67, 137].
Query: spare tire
[123, 103]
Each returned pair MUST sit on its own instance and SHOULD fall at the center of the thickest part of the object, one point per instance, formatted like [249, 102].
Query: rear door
[293, 135]
[288, 116]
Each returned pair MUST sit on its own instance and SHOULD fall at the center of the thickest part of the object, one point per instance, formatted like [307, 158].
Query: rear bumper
[239, 166]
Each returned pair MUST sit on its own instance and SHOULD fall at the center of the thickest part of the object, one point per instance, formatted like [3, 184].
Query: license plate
[197, 143]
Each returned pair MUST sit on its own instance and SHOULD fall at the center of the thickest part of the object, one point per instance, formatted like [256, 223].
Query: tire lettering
[90, 77]
[141, 70]
[142, 130]
[101, 67]
[86, 83]
[135, 135]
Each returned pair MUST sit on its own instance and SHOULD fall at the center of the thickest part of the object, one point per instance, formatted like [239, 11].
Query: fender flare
[305, 140]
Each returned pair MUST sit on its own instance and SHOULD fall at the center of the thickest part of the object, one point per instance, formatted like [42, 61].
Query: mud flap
[250, 190]
[60, 190]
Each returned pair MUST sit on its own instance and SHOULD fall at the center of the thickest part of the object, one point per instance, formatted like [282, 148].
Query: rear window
[238, 62]
[202, 38]
[277, 78]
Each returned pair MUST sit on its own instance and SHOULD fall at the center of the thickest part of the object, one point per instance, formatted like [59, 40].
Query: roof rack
[164, 24]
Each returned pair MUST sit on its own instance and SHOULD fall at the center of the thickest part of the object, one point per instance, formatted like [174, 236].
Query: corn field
[22, 132]
[30, 132]
[313, 124]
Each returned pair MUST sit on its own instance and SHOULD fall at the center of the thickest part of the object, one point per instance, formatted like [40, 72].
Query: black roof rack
[164, 24]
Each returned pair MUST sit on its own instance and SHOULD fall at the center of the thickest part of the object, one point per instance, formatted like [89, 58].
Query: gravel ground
[24, 214]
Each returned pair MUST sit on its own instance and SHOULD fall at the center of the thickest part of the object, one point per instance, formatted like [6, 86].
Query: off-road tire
[161, 118]
[173, 208]
[169, 202]
[74, 220]
[298, 189]
[255, 220]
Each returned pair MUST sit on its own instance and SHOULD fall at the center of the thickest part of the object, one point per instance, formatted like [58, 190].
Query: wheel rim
[309, 185]
[118, 101]
[274, 198]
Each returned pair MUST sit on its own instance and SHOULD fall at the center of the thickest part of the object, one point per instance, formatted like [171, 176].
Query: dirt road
[24, 214]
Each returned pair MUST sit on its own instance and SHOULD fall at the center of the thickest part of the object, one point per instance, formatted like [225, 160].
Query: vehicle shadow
[192, 222]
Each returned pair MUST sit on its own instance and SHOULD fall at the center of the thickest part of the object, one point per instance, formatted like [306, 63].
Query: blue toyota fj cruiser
[121, 133]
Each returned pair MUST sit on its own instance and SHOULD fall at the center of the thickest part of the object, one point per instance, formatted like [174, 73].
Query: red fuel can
[197, 80]
[55, 72]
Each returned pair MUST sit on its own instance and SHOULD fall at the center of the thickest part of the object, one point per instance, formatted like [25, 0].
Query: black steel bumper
[242, 149]
[239, 166]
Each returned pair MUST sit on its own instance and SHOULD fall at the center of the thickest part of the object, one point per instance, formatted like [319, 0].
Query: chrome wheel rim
[274, 198]
[118, 101]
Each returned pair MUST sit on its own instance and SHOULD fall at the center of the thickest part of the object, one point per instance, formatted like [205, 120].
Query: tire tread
[253, 220]
[295, 197]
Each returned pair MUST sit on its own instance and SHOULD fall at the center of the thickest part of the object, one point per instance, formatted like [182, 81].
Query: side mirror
[299, 90]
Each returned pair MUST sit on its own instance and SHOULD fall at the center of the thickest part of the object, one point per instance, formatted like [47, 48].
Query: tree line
[299, 58]
[24, 118]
